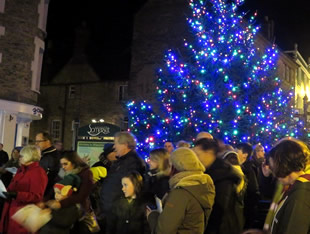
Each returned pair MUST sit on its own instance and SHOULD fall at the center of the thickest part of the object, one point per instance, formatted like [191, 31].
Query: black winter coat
[252, 195]
[50, 162]
[227, 213]
[127, 218]
[111, 187]
[62, 221]
[266, 185]
[4, 157]
[156, 185]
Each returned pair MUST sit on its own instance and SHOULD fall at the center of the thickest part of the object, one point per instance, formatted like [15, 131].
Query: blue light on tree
[225, 85]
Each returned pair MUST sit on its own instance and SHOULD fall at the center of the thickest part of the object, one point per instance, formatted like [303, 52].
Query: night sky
[109, 25]
[292, 21]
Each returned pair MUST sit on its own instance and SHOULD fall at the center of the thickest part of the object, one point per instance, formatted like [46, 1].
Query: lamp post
[306, 104]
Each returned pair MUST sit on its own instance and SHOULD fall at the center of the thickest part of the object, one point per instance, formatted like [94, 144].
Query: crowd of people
[201, 187]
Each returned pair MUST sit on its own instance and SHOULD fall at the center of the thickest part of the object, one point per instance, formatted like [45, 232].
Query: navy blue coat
[111, 188]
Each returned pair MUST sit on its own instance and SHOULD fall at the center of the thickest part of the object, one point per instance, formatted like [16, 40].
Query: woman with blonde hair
[157, 178]
[27, 187]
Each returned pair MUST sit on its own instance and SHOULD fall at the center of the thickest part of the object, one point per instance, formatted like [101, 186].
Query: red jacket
[29, 183]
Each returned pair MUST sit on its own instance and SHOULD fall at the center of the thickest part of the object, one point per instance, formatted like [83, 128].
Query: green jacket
[292, 215]
[186, 208]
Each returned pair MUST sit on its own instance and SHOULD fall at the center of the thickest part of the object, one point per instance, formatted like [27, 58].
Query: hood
[221, 170]
[201, 187]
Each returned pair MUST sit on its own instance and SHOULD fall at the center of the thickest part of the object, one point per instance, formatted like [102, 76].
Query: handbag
[89, 219]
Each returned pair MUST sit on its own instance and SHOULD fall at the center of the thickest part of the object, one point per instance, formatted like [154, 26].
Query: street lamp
[306, 104]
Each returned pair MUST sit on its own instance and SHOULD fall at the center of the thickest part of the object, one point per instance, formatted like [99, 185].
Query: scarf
[279, 198]
[174, 180]
[75, 171]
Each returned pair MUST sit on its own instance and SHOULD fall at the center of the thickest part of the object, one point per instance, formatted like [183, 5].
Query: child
[128, 213]
[63, 218]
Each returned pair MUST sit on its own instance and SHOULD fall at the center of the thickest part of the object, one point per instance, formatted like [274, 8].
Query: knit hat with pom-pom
[68, 184]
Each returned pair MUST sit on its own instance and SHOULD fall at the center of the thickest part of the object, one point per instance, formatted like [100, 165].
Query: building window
[292, 78]
[72, 90]
[36, 65]
[2, 30]
[42, 10]
[122, 92]
[299, 77]
[56, 129]
[2, 5]
[287, 73]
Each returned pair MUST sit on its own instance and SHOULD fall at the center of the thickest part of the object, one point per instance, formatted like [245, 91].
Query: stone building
[22, 32]
[159, 25]
[302, 82]
[77, 97]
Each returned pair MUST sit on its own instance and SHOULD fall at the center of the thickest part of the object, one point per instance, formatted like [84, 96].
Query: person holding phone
[188, 205]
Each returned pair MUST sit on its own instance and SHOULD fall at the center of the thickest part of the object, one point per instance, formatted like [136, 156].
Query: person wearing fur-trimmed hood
[189, 203]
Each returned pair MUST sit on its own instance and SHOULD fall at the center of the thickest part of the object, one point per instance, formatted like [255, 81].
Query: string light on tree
[224, 85]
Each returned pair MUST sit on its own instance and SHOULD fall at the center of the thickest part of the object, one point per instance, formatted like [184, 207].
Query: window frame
[123, 92]
[2, 6]
[53, 129]
[72, 91]
[43, 11]
[36, 65]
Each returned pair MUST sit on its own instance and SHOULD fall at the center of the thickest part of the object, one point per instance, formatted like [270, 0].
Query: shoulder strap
[304, 178]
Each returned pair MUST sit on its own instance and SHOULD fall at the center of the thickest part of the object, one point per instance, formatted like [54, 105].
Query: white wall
[7, 131]
[22, 132]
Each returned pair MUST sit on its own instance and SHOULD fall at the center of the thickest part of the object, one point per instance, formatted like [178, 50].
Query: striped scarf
[279, 198]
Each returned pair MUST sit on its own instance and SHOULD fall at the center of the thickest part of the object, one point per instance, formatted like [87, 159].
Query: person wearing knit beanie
[189, 203]
[64, 218]
[64, 188]
[185, 159]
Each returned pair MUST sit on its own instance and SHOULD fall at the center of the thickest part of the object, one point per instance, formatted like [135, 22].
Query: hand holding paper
[32, 217]
[2, 189]
[12, 170]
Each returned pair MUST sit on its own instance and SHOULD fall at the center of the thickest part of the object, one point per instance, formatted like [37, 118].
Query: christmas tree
[224, 85]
